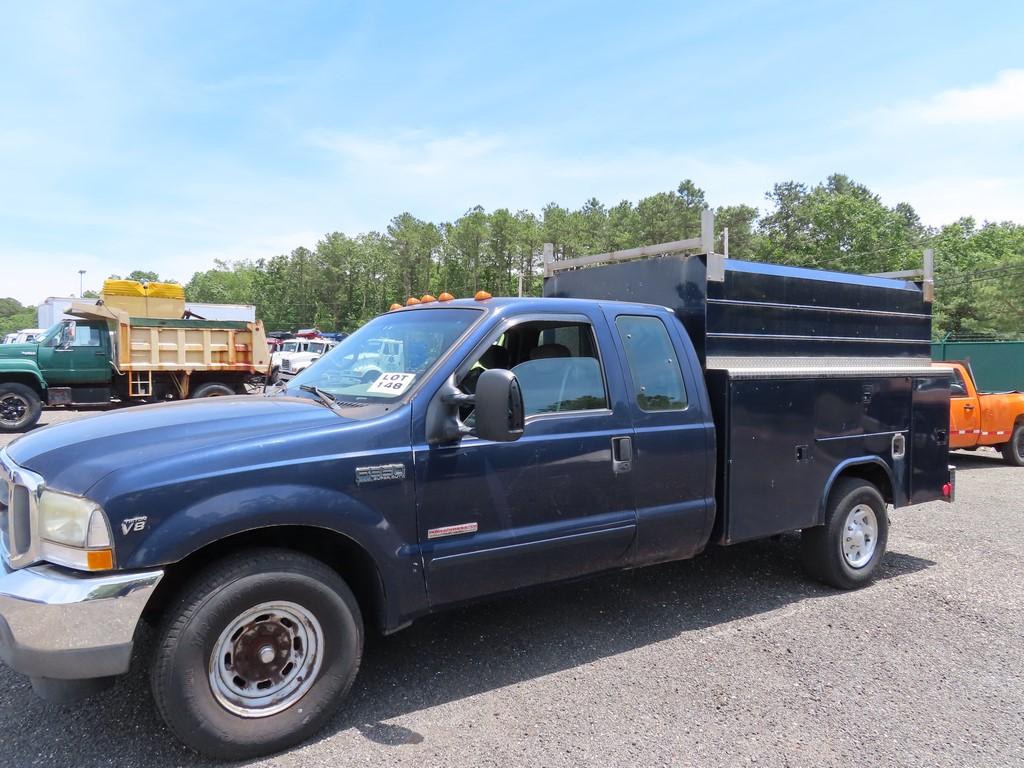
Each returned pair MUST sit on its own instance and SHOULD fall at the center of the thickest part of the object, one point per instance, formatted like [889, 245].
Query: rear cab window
[653, 363]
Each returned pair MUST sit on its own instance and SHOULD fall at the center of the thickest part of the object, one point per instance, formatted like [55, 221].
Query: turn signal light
[99, 559]
[482, 296]
[947, 490]
[411, 301]
[446, 297]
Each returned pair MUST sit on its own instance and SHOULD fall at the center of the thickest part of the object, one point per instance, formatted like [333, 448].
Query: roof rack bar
[702, 244]
[926, 275]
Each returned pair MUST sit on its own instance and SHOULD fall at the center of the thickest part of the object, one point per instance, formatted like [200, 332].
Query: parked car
[24, 336]
[501, 443]
[978, 419]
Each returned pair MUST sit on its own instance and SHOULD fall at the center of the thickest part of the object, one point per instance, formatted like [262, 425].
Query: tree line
[344, 280]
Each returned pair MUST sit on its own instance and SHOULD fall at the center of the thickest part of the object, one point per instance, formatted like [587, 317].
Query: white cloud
[998, 102]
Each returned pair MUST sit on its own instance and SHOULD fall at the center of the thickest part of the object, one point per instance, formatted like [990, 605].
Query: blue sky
[141, 135]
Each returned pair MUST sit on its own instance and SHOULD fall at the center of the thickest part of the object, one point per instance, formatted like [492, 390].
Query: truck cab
[977, 419]
[292, 363]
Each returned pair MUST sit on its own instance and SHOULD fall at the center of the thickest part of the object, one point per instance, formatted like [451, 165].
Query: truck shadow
[965, 461]
[470, 650]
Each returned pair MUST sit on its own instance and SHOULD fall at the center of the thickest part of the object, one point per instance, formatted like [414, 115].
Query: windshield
[50, 337]
[290, 346]
[383, 359]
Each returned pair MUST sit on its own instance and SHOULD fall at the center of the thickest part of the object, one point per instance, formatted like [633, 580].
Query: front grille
[19, 490]
[286, 365]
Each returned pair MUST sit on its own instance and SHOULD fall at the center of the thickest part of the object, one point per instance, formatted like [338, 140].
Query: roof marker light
[482, 296]
[393, 307]
[411, 301]
[446, 297]
[427, 298]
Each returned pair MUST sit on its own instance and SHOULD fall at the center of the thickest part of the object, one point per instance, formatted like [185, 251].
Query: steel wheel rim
[860, 536]
[266, 659]
[13, 408]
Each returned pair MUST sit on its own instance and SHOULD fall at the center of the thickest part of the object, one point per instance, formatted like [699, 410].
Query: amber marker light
[427, 299]
[99, 559]
[446, 297]
[482, 296]
[411, 301]
[394, 306]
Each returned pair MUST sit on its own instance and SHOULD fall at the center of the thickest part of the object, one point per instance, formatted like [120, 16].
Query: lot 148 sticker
[391, 384]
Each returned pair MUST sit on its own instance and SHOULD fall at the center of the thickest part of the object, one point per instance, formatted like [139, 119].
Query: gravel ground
[733, 658]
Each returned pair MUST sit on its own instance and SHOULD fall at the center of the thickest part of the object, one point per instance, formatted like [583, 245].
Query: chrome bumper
[61, 624]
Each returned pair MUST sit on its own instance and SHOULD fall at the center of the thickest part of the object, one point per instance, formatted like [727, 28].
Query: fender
[24, 366]
[180, 532]
[855, 462]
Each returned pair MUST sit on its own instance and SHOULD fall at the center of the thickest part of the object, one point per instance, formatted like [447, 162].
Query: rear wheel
[1013, 451]
[845, 552]
[256, 654]
[20, 407]
[212, 390]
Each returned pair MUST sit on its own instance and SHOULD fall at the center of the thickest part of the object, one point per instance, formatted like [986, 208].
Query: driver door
[553, 505]
[78, 355]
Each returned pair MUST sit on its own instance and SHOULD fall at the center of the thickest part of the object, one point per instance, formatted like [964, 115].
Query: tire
[20, 407]
[1013, 451]
[212, 389]
[846, 551]
[253, 592]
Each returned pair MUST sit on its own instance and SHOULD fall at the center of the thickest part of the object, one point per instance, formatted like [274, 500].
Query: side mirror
[499, 406]
[68, 335]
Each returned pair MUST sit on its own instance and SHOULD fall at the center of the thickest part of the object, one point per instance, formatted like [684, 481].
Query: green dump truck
[133, 345]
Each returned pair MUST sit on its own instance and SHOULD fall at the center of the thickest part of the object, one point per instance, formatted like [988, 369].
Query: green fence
[998, 365]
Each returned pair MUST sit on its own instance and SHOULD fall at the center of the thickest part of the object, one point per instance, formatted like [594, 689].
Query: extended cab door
[964, 411]
[78, 355]
[673, 435]
[556, 503]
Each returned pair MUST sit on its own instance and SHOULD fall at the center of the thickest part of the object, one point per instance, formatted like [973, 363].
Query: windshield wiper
[325, 397]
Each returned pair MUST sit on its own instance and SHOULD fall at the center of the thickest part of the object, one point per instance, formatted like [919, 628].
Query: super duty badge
[380, 473]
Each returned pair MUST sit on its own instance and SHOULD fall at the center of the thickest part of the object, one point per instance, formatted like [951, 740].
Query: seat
[548, 351]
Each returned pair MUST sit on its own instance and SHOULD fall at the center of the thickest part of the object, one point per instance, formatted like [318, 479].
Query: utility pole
[81, 283]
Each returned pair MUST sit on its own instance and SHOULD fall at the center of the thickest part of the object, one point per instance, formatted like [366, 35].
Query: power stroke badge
[380, 473]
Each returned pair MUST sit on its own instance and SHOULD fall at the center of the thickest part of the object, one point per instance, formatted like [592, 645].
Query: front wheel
[846, 551]
[256, 654]
[1013, 451]
[20, 407]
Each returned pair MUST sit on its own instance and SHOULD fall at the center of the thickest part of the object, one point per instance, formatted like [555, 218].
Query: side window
[556, 364]
[86, 336]
[657, 378]
[958, 388]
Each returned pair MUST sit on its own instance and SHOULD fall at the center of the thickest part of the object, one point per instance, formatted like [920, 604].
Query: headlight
[74, 532]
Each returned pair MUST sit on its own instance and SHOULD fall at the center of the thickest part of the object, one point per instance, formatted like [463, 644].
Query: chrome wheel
[266, 659]
[13, 408]
[860, 536]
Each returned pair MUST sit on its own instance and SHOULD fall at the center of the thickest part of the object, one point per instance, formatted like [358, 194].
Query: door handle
[622, 454]
[101, 353]
[968, 407]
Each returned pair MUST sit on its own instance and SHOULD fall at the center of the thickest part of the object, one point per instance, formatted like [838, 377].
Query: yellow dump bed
[177, 345]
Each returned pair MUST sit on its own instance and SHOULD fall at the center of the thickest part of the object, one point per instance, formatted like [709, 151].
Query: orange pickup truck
[983, 418]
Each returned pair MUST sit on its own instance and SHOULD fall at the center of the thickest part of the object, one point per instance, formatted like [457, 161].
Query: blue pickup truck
[638, 413]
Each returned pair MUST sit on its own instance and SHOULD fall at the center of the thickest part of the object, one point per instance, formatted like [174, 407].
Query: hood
[76, 455]
[18, 350]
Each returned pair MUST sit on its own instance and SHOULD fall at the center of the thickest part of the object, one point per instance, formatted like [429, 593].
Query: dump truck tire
[212, 390]
[20, 407]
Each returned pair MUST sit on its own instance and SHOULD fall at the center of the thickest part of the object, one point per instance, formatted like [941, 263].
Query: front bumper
[61, 624]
